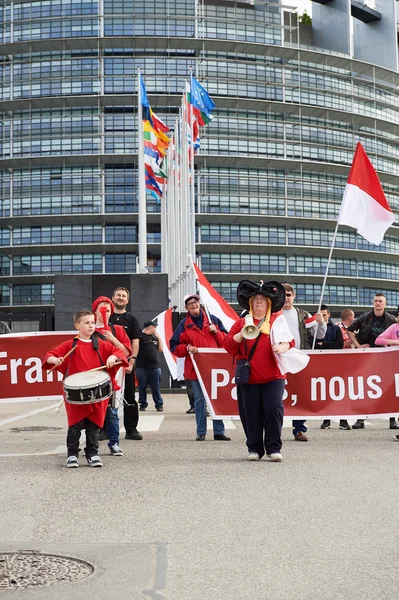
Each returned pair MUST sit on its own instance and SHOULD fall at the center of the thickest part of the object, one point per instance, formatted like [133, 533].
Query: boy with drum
[80, 355]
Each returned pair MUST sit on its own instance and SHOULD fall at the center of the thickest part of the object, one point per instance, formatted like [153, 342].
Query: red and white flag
[165, 330]
[364, 205]
[310, 322]
[216, 304]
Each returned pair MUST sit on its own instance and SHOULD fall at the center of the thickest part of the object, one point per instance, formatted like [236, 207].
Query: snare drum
[87, 387]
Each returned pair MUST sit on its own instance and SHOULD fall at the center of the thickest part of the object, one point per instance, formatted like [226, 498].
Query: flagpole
[325, 279]
[142, 194]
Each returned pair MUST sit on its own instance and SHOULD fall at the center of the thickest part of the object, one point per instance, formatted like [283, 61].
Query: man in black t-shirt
[120, 299]
[368, 327]
[147, 366]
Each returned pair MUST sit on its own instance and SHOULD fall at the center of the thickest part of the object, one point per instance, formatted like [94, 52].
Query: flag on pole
[200, 101]
[216, 304]
[364, 206]
[310, 321]
[165, 330]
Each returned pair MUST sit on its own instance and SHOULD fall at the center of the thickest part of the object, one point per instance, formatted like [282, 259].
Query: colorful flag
[216, 304]
[202, 104]
[364, 206]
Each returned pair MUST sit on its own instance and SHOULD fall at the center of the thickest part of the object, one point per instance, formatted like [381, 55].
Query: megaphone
[250, 331]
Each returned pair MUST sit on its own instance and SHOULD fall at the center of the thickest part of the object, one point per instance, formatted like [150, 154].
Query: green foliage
[305, 19]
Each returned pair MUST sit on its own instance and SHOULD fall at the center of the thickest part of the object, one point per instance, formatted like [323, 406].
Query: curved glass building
[292, 102]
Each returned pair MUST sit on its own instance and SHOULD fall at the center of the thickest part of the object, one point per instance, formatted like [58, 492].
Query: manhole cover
[19, 570]
[37, 428]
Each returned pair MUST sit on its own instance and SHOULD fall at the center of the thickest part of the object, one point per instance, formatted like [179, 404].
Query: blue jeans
[299, 426]
[200, 412]
[152, 378]
[112, 426]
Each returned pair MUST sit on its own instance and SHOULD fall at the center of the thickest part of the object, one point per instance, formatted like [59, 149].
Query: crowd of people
[109, 337]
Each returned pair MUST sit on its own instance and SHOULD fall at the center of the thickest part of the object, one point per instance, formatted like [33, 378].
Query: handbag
[243, 366]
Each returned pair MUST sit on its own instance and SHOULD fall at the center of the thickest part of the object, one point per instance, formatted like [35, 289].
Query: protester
[148, 369]
[347, 318]
[89, 352]
[120, 316]
[4, 328]
[333, 340]
[303, 335]
[193, 332]
[260, 398]
[369, 326]
[116, 335]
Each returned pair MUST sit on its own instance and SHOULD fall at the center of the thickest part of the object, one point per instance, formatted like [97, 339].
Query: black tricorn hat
[270, 289]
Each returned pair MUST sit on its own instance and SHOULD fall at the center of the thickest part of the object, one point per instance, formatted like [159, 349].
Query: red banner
[336, 383]
[21, 373]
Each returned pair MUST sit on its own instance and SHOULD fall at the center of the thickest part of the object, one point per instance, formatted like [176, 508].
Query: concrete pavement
[180, 520]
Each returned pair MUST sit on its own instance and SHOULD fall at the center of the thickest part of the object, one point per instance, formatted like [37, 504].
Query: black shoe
[190, 411]
[359, 424]
[344, 425]
[133, 435]
[159, 408]
[397, 437]
[326, 424]
[393, 424]
[221, 437]
[200, 438]
[103, 435]
[143, 408]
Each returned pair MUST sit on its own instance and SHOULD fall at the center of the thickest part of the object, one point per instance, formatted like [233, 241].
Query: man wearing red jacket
[193, 332]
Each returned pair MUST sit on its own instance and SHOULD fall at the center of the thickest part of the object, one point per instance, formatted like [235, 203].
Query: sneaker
[326, 424]
[396, 438]
[94, 461]
[143, 408]
[393, 424]
[190, 411]
[344, 425]
[200, 437]
[72, 462]
[133, 435]
[253, 456]
[359, 424]
[115, 450]
[159, 408]
[274, 457]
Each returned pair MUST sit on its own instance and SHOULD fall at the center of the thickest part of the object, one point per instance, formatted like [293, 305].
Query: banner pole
[325, 279]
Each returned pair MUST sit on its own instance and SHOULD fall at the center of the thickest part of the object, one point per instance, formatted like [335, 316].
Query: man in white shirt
[302, 335]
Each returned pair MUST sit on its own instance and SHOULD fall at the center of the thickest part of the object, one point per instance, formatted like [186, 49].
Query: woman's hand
[281, 347]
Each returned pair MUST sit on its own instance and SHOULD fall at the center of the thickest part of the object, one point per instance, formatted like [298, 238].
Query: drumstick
[104, 367]
[64, 357]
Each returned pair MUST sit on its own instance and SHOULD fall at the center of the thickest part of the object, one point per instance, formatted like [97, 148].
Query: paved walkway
[175, 519]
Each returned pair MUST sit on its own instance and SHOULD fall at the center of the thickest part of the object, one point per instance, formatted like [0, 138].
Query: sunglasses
[288, 295]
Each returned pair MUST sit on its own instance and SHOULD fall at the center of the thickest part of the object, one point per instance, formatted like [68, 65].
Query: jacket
[333, 339]
[188, 333]
[4, 328]
[364, 323]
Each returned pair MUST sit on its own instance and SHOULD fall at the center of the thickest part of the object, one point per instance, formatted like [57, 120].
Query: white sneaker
[115, 450]
[72, 462]
[95, 461]
[275, 457]
[253, 456]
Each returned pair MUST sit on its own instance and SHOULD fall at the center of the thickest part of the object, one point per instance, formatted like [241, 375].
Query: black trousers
[261, 411]
[92, 435]
[130, 407]
[190, 393]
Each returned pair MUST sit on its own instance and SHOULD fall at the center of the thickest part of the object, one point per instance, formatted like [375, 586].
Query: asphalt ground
[177, 519]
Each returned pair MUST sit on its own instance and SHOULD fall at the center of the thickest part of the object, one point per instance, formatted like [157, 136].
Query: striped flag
[216, 304]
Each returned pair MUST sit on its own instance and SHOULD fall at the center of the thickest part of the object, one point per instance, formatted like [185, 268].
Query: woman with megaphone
[262, 342]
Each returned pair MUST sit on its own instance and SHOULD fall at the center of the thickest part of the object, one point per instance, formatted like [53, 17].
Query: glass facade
[269, 176]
